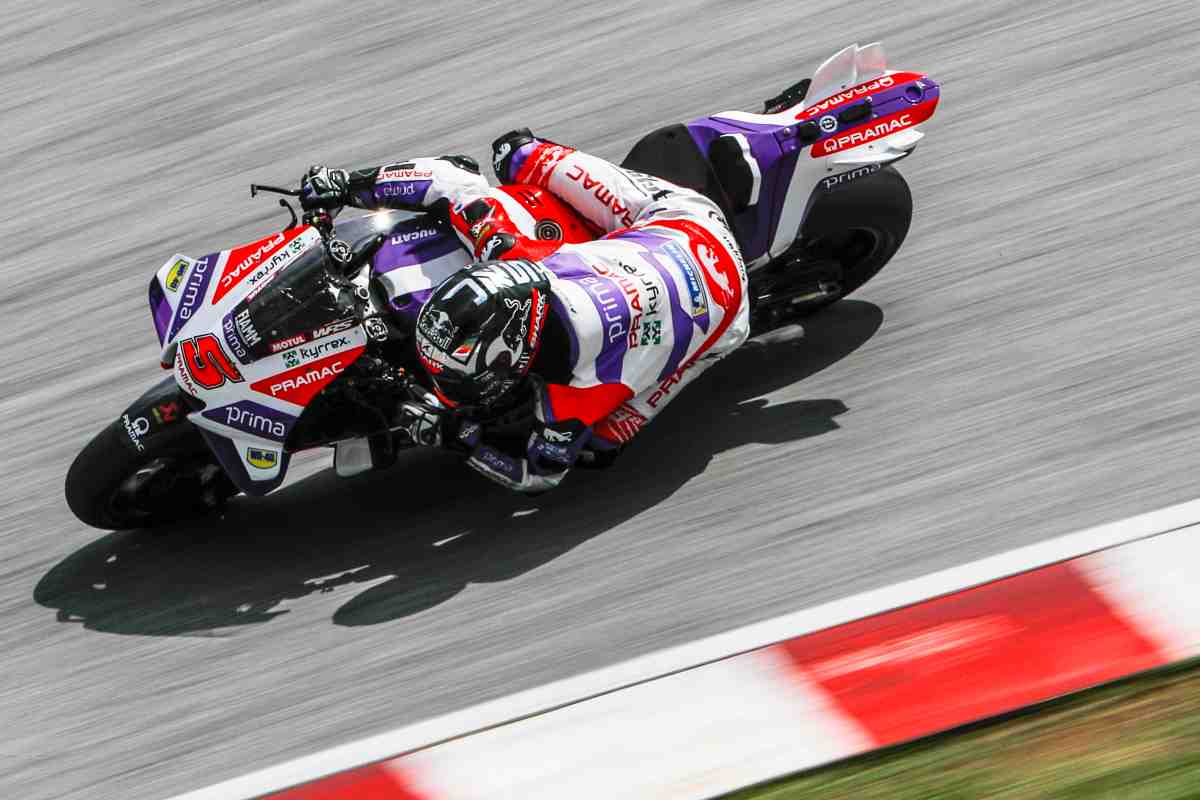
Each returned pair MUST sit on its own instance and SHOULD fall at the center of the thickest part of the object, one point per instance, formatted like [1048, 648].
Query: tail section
[846, 70]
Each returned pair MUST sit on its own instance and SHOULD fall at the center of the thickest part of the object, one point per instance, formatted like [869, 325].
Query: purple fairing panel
[254, 418]
[414, 243]
[231, 461]
[775, 149]
[160, 309]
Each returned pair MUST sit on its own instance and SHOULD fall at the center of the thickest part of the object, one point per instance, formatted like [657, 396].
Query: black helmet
[479, 332]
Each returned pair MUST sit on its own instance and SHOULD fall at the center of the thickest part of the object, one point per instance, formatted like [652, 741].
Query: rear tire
[112, 486]
[860, 225]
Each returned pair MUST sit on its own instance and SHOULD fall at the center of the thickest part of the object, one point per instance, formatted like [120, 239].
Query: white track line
[655, 665]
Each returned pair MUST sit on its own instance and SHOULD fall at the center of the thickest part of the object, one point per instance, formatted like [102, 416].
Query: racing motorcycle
[303, 339]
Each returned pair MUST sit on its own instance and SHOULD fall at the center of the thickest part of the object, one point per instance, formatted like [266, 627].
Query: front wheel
[114, 486]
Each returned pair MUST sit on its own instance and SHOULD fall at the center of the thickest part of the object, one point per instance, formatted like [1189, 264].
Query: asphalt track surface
[1026, 366]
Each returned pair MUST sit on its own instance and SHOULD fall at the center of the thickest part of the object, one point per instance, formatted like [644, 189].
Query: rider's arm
[447, 185]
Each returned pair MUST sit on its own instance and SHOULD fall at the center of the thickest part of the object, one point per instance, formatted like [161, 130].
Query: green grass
[1135, 740]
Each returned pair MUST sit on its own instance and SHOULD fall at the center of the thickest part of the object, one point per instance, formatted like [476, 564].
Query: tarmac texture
[1026, 366]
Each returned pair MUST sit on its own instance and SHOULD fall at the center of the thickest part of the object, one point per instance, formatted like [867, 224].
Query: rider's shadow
[425, 529]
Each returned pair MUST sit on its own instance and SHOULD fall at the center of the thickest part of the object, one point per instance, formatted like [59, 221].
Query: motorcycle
[303, 339]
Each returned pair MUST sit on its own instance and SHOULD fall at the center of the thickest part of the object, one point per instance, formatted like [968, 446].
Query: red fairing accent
[586, 405]
[540, 164]
[244, 260]
[856, 92]
[875, 129]
[301, 384]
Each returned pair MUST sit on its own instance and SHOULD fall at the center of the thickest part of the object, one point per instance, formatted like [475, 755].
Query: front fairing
[256, 333]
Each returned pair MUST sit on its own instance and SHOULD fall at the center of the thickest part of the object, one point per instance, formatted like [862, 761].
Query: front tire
[113, 486]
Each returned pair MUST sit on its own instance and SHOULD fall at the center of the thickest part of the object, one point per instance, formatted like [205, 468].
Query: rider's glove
[322, 187]
[422, 424]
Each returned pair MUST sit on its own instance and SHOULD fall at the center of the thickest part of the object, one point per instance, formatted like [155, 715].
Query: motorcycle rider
[612, 329]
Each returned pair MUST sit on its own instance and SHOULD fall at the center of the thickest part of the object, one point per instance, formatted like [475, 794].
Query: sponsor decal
[402, 189]
[855, 92]
[303, 355]
[651, 332]
[537, 318]
[206, 363]
[136, 429]
[261, 459]
[183, 378]
[610, 306]
[240, 352]
[403, 174]
[258, 260]
[245, 328]
[331, 328]
[828, 123]
[411, 237]
[505, 466]
[176, 274]
[846, 177]
[643, 301]
[869, 132]
[436, 326]
[193, 293]
[664, 388]
[288, 343]
[253, 418]
[621, 425]
[167, 412]
[301, 384]
[695, 286]
[602, 193]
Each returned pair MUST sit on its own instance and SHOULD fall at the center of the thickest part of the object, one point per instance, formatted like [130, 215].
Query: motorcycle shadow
[425, 529]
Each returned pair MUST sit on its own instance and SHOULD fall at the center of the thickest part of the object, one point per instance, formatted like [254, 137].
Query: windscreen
[302, 302]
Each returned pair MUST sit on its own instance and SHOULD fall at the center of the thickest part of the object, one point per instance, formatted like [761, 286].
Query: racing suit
[647, 307]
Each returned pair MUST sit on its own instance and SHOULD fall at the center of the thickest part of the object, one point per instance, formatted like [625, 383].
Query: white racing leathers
[647, 308]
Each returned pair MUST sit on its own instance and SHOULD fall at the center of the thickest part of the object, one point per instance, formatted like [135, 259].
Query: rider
[612, 328]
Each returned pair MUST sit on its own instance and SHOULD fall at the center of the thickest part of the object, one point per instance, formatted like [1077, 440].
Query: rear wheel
[115, 487]
[849, 234]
